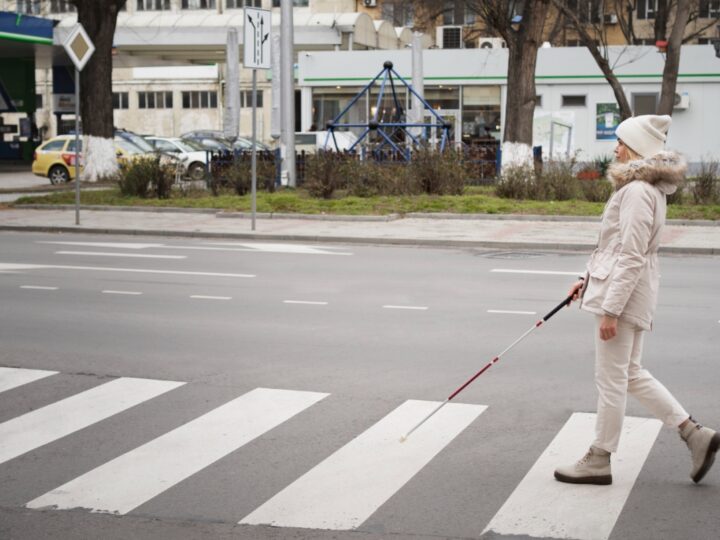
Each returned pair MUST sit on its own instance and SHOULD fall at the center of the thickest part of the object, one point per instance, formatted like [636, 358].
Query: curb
[340, 217]
[537, 246]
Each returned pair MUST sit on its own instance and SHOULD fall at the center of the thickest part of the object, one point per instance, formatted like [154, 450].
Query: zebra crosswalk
[339, 491]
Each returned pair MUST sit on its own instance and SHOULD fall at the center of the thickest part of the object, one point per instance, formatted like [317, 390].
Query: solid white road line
[542, 507]
[204, 297]
[285, 248]
[130, 293]
[344, 490]
[49, 423]
[130, 480]
[38, 288]
[418, 308]
[119, 245]
[110, 254]
[541, 272]
[509, 312]
[307, 302]
[14, 377]
[14, 266]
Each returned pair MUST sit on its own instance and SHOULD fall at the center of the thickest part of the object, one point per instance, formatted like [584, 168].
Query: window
[709, 9]
[31, 7]
[644, 41]
[38, 101]
[573, 101]
[150, 5]
[644, 103]
[588, 11]
[61, 6]
[538, 101]
[230, 4]
[155, 100]
[198, 4]
[646, 9]
[53, 146]
[296, 3]
[199, 99]
[120, 100]
[399, 13]
[246, 98]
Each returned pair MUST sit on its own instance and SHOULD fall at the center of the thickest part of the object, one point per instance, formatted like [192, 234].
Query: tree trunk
[522, 51]
[672, 59]
[99, 18]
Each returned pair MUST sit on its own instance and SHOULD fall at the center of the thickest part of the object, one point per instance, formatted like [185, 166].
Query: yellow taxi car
[55, 159]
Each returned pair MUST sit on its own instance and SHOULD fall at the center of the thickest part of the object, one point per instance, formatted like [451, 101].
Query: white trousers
[618, 371]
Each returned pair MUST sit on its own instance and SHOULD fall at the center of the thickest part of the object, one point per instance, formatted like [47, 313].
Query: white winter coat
[622, 273]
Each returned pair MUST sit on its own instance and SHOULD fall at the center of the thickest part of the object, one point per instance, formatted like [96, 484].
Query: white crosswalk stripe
[14, 377]
[128, 481]
[544, 508]
[47, 424]
[345, 489]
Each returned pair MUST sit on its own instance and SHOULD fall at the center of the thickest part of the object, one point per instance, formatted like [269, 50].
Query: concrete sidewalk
[502, 232]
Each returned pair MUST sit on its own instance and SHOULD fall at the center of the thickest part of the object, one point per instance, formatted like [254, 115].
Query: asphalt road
[358, 330]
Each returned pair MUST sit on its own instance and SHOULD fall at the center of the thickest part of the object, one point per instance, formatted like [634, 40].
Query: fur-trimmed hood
[665, 170]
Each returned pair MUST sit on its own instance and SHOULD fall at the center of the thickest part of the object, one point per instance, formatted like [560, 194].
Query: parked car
[193, 156]
[55, 159]
[214, 135]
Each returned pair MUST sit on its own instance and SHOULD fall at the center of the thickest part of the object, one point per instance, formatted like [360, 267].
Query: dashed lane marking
[306, 302]
[511, 312]
[129, 293]
[538, 272]
[416, 308]
[38, 287]
[206, 297]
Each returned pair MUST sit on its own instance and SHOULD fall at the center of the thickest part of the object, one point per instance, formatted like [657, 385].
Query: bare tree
[592, 35]
[669, 14]
[99, 18]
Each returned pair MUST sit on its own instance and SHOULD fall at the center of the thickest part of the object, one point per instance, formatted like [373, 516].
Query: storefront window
[443, 97]
[329, 102]
[481, 114]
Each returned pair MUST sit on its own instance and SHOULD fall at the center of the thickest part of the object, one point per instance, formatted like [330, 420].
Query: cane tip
[403, 438]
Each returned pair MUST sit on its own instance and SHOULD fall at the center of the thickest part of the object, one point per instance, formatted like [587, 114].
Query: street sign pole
[77, 147]
[256, 55]
[79, 48]
[254, 149]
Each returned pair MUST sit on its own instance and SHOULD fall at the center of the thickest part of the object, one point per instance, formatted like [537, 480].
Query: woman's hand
[608, 327]
[575, 290]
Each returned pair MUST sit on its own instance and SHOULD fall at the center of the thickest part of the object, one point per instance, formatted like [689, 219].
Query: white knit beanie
[644, 134]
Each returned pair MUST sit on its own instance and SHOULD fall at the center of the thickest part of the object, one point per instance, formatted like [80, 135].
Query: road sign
[256, 38]
[79, 47]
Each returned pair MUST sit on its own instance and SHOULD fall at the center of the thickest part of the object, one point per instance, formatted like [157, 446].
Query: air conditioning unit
[610, 18]
[491, 43]
[682, 101]
[449, 37]
[370, 3]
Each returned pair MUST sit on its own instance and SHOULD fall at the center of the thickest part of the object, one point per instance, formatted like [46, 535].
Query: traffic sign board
[256, 38]
[79, 47]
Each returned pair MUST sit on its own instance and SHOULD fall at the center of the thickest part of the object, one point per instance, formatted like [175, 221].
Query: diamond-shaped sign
[79, 47]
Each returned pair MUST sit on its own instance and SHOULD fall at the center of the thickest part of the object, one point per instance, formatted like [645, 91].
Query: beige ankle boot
[703, 444]
[593, 468]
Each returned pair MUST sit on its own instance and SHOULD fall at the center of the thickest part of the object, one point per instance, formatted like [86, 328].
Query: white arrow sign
[256, 38]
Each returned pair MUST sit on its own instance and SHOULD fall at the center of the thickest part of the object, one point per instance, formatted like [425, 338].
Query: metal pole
[254, 149]
[77, 147]
[288, 87]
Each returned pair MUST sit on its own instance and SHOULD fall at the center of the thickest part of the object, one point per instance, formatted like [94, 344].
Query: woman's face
[621, 152]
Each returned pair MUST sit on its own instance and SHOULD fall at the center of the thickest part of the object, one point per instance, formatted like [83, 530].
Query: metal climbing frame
[389, 130]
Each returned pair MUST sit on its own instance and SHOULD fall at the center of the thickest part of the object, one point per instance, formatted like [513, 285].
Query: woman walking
[620, 288]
